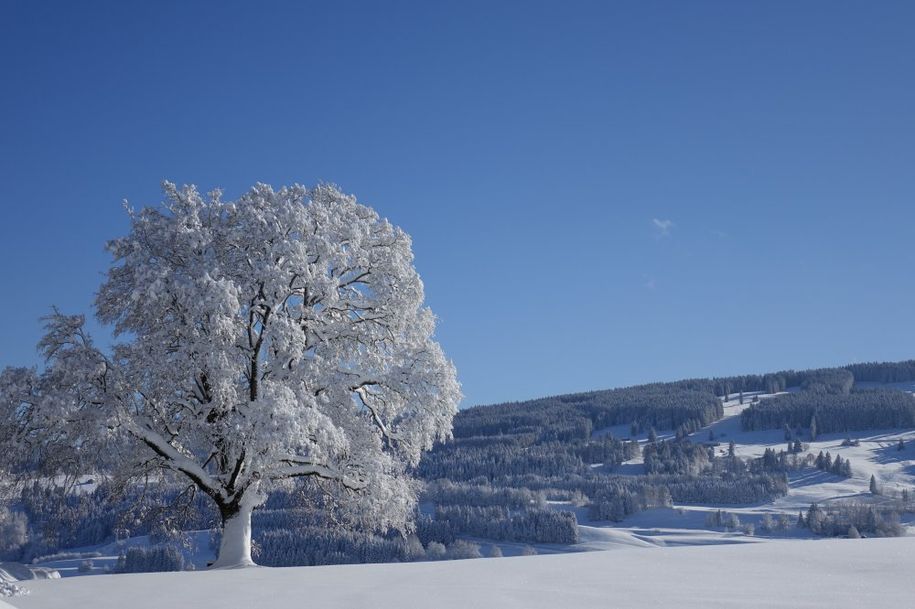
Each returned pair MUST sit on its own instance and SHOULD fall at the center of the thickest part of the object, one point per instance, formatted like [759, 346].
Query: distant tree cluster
[490, 461]
[306, 546]
[291, 531]
[852, 519]
[660, 405]
[774, 382]
[456, 493]
[829, 380]
[626, 495]
[500, 523]
[837, 466]
[722, 519]
[727, 489]
[768, 524]
[790, 460]
[519, 454]
[831, 413]
[146, 560]
[621, 498]
[683, 458]
[833, 378]
[884, 372]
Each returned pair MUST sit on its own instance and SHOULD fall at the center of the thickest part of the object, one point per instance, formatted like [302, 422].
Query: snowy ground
[875, 455]
[789, 574]
[662, 557]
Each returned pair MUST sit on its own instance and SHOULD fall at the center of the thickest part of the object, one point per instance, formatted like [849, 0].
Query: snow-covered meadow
[875, 454]
[658, 557]
[789, 574]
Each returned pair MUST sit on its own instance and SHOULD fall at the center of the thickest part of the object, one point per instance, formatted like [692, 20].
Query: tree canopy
[279, 336]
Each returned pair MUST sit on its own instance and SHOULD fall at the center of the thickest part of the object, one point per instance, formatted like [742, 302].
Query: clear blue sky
[528, 147]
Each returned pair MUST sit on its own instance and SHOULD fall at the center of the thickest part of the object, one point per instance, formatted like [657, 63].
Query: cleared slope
[795, 574]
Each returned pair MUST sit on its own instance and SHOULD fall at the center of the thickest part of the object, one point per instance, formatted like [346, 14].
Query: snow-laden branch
[178, 462]
[301, 468]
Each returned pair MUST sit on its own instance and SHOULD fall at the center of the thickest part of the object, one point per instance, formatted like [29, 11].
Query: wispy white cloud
[663, 227]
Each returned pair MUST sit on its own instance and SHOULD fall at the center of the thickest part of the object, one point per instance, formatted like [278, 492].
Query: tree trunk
[235, 547]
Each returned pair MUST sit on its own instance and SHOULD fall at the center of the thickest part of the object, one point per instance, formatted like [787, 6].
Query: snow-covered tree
[13, 531]
[873, 487]
[276, 337]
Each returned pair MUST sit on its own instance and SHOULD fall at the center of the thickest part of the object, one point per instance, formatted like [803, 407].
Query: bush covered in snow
[838, 519]
[10, 589]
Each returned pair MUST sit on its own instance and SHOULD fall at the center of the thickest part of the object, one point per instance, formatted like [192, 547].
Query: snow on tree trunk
[235, 547]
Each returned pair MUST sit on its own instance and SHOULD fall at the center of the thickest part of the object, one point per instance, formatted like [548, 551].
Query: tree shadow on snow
[809, 477]
[890, 453]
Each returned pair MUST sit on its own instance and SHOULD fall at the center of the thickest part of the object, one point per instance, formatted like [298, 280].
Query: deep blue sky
[527, 147]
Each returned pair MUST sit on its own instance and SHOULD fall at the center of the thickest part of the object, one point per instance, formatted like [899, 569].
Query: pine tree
[837, 466]
[820, 461]
[875, 490]
[814, 518]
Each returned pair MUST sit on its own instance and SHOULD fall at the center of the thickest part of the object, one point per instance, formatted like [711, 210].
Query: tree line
[832, 413]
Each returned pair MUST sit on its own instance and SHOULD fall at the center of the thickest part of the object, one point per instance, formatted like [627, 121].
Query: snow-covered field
[789, 574]
[662, 557]
[877, 454]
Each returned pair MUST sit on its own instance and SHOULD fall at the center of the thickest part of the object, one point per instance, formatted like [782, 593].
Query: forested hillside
[831, 413]
[501, 475]
[557, 448]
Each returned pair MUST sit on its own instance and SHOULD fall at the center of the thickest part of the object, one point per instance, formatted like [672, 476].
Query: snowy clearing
[876, 454]
[658, 557]
[790, 574]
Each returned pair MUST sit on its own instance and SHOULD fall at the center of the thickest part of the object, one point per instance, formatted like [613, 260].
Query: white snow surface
[790, 574]
[665, 557]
